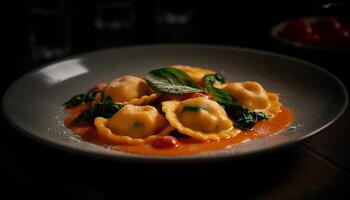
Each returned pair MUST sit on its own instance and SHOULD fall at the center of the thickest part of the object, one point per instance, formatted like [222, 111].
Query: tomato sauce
[185, 146]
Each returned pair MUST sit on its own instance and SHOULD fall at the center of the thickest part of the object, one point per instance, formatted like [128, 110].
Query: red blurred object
[325, 32]
[327, 27]
[326, 24]
[164, 142]
[295, 29]
[337, 38]
[341, 38]
[311, 38]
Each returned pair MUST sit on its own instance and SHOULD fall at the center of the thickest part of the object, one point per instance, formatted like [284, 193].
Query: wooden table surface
[317, 168]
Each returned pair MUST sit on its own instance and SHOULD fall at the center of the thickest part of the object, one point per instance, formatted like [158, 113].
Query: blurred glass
[50, 30]
[114, 22]
[174, 20]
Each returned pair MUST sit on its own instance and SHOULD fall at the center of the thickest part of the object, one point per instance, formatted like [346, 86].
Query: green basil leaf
[220, 96]
[245, 119]
[80, 99]
[170, 80]
[210, 79]
[261, 116]
[86, 116]
[106, 108]
[219, 78]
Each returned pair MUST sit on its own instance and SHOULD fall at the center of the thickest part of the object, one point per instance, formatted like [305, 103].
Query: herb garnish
[245, 118]
[80, 99]
[105, 108]
[170, 80]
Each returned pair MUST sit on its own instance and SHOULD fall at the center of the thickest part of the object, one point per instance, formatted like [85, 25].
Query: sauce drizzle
[186, 146]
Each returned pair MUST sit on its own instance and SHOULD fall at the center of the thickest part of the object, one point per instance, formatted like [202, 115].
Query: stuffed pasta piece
[199, 118]
[132, 124]
[130, 90]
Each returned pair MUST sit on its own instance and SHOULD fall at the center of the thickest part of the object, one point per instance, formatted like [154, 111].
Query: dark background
[37, 32]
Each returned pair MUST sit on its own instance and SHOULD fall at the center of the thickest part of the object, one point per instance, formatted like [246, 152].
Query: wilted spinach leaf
[80, 99]
[105, 108]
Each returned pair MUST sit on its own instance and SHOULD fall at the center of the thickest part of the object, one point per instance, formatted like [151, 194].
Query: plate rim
[128, 157]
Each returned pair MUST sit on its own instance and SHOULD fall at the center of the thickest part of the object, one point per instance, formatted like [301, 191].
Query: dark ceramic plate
[33, 104]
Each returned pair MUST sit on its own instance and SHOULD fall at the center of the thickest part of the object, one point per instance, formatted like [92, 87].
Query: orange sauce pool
[186, 146]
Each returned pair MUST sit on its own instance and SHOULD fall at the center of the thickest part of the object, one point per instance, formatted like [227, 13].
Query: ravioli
[199, 118]
[144, 115]
[196, 73]
[133, 124]
[131, 90]
[253, 96]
